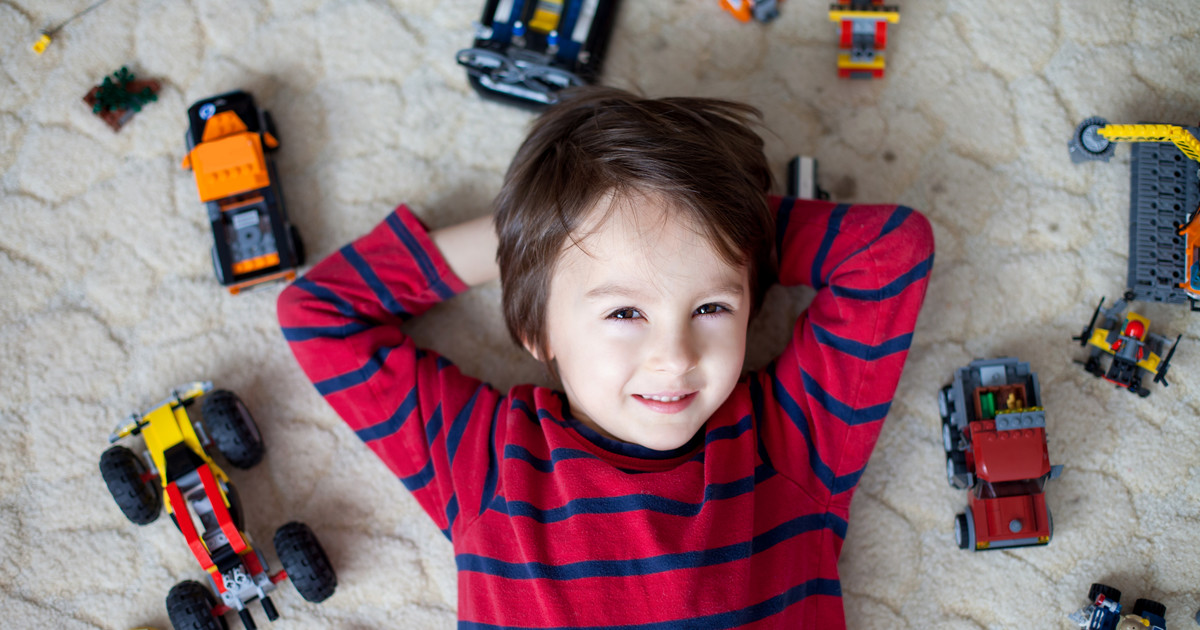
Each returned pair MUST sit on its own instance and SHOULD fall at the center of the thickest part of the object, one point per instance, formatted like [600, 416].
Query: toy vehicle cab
[229, 146]
[994, 437]
[205, 508]
[526, 51]
[1103, 612]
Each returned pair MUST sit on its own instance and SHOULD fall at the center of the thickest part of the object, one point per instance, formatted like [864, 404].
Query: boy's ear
[532, 349]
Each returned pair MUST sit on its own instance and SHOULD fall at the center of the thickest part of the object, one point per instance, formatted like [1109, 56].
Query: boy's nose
[674, 352]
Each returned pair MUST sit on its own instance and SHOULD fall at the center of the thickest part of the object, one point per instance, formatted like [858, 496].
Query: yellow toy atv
[202, 502]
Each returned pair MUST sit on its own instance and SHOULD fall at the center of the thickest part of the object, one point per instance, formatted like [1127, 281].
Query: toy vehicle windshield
[1000, 489]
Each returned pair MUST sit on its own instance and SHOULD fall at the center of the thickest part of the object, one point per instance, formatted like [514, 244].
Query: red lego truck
[994, 436]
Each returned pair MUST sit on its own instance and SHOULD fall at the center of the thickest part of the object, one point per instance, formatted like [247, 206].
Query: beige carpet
[109, 298]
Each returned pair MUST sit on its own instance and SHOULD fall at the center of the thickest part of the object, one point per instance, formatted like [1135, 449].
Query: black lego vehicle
[525, 51]
[229, 144]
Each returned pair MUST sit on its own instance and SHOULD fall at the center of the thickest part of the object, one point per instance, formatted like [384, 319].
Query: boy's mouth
[668, 402]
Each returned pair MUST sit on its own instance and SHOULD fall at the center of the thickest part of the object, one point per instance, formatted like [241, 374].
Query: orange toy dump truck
[229, 144]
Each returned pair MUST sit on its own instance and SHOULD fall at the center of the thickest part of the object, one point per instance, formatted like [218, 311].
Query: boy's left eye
[710, 309]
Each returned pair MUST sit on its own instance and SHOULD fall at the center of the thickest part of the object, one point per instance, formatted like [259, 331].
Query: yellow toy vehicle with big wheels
[178, 472]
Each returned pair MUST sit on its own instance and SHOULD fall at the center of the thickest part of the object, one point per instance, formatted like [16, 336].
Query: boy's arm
[826, 396]
[431, 425]
[470, 249]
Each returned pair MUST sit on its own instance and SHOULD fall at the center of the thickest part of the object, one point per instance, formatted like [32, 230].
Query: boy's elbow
[292, 301]
[918, 236]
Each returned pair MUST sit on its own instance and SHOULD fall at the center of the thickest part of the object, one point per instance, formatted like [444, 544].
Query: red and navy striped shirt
[555, 526]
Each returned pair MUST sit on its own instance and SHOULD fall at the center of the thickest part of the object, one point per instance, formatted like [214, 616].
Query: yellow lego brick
[1175, 134]
[546, 16]
[40, 45]
[889, 14]
[845, 63]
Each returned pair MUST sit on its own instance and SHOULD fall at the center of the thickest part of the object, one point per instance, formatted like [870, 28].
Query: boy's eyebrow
[613, 289]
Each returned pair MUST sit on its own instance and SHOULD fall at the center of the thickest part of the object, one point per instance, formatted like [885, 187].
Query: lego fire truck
[994, 436]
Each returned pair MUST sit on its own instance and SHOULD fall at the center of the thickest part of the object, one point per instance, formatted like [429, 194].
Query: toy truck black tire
[190, 605]
[305, 561]
[1108, 591]
[139, 500]
[964, 530]
[232, 429]
[1149, 606]
[298, 246]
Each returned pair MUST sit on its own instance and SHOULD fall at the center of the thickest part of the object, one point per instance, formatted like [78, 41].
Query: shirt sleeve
[430, 424]
[821, 404]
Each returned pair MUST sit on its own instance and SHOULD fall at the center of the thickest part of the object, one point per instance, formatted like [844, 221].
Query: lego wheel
[950, 438]
[1107, 591]
[956, 472]
[945, 408]
[305, 562]
[139, 498]
[190, 606]
[1087, 144]
[297, 246]
[216, 262]
[964, 531]
[1149, 606]
[232, 428]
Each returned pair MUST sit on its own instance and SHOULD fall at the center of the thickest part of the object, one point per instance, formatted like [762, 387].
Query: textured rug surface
[109, 300]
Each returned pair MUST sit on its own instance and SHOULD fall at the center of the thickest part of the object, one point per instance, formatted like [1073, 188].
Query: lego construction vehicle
[526, 51]
[1134, 352]
[229, 144]
[179, 473]
[994, 436]
[1103, 612]
[1164, 234]
[862, 36]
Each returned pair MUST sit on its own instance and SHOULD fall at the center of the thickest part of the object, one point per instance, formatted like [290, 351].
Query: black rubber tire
[1149, 606]
[232, 429]
[140, 501]
[298, 246]
[960, 532]
[305, 561]
[189, 606]
[1108, 591]
[217, 267]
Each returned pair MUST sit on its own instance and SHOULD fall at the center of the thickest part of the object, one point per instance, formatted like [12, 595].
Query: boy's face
[647, 324]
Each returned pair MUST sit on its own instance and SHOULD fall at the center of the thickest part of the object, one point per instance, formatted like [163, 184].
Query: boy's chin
[665, 440]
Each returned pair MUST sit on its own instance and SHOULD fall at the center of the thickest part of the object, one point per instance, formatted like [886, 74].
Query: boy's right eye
[625, 313]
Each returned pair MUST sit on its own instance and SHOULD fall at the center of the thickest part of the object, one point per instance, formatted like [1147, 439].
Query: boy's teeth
[664, 398]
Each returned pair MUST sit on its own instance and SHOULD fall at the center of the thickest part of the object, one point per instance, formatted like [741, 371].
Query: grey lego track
[1164, 190]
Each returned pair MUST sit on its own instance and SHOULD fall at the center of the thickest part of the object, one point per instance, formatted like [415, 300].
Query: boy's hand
[470, 249]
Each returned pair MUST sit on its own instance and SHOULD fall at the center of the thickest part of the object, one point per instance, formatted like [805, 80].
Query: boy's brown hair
[699, 155]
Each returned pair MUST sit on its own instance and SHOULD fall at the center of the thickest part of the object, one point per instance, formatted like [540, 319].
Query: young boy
[661, 488]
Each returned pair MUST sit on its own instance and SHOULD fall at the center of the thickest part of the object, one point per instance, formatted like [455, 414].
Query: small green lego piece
[114, 94]
[988, 403]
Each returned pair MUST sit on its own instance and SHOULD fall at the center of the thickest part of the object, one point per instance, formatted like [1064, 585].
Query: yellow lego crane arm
[1181, 137]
